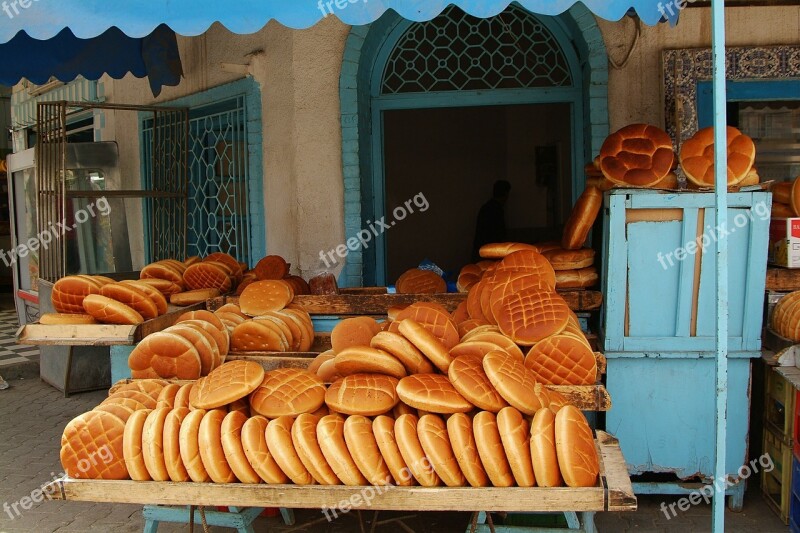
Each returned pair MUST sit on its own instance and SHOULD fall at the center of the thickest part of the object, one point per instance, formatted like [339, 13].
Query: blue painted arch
[366, 51]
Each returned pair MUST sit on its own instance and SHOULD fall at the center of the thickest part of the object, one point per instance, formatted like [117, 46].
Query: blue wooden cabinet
[658, 330]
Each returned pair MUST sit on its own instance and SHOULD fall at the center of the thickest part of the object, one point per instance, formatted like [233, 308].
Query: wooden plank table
[783, 279]
[612, 493]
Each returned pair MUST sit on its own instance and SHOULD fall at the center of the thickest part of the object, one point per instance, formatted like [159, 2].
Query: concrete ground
[33, 415]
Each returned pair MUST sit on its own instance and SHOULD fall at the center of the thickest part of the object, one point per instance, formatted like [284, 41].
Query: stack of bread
[274, 267]
[420, 281]
[697, 159]
[242, 424]
[785, 319]
[786, 199]
[98, 299]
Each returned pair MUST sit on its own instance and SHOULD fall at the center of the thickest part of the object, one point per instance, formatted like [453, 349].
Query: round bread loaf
[145, 399]
[459, 431]
[192, 297]
[304, 438]
[357, 331]
[279, 442]
[233, 448]
[433, 393]
[529, 262]
[203, 342]
[165, 355]
[581, 219]
[363, 448]
[495, 337]
[470, 380]
[434, 318]
[109, 311]
[435, 442]
[412, 359]
[257, 336]
[151, 292]
[165, 287]
[697, 156]
[171, 442]
[263, 296]
[562, 360]
[296, 331]
[418, 281]
[303, 320]
[189, 443]
[363, 394]
[208, 275]
[405, 432]
[460, 313]
[637, 155]
[231, 308]
[228, 260]
[66, 318]
[570, 259]
[131, 296]
[490, 449]
[163, 271]
[577, 455]
[201, 314]
[69, 292]
[274, 320]
[468, 276]
[218, 338]
[366, 360]
[228, 383]
[477, 349]
[427, 343]
[254, 443]
[543, 449]
[474, 302]
[288, 392]
[577, 279]
[513, 381]
[271, 267]
[182, 396]
[515, 437]
[166, 398]
[383, 430]
[122, 410]
[330, 436]
[209, 438]
[132, 446]
[532, 315]
[498, 250]
[92, 447]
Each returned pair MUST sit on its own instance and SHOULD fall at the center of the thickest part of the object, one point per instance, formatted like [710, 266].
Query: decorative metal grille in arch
[459, 52]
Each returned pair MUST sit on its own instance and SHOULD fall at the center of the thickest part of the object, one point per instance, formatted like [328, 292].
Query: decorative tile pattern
[683, 68]
[12, 353]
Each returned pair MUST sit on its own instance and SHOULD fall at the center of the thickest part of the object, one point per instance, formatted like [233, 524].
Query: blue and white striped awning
[43, 19]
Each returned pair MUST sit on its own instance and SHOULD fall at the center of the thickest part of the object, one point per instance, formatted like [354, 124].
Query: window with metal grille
[459, 52]
[218, 214]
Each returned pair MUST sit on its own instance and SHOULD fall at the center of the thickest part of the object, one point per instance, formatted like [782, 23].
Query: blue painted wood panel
[663, 413]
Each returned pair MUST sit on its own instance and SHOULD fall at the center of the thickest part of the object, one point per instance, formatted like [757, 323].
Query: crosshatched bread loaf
[132, 446]
[209, 438]
[151, 292]
[233, 448]
[515, 436]
[577, 455]
[490, 449]
[366, 360]
[470, 380]
[288, 392]
[109, 311]
[405, 432]
[543, 449]
[513, 381]
[165, 355]
[363, 394]
[330, 435]
[68, 293]
[228, 383]
[639, 155]
[363, 448]
[434, 318]
[562, 360]
[133, 297]
[304, 438]
[208, 275]
[92, 447]
[254, 442]
[383, 430]
[529, 316]
[433, 393]
[581, 219]
[459, 430]
[435, 442]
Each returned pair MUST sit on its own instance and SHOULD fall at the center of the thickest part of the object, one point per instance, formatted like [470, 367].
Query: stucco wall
[299, 76]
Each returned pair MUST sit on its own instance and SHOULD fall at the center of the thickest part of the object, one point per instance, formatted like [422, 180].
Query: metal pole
[721, 220]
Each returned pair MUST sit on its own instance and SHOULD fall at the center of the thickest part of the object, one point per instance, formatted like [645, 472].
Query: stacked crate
[779, 438]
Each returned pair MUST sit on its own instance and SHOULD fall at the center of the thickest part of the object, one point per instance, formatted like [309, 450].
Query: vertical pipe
[721, 219]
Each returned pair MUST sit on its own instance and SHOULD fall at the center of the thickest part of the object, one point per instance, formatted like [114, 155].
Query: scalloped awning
[43, 19]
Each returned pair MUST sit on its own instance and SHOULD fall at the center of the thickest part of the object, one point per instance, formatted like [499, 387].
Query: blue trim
[251, 91]
[366, 51]
[743, 91]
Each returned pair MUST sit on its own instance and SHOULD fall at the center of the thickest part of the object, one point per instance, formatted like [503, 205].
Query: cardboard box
[784, 242]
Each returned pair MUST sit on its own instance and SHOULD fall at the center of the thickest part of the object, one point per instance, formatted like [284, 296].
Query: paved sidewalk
[33, 415]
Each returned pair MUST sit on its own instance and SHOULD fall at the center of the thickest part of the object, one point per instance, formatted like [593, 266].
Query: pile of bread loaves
[786, 199]
[419, 281]
[641, 155]
[242, 424]
[785, 319]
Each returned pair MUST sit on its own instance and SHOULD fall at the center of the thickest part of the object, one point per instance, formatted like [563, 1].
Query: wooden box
[659, 264]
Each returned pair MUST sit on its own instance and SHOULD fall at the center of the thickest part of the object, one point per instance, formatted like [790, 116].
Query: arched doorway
[450, 105]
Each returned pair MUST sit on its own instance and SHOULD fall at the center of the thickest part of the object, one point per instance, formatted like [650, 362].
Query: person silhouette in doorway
[491, 223]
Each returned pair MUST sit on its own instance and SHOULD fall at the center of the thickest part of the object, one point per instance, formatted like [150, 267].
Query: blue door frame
[380, 102]
[744, 91]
